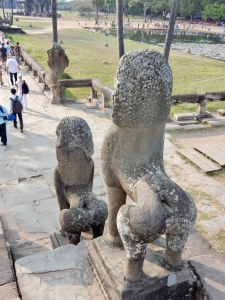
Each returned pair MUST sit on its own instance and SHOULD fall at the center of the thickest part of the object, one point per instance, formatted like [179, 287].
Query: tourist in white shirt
[11, 68]
[19, 84]
[1, 82]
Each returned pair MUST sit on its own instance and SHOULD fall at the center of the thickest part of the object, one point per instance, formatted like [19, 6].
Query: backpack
[5, 118]
[25, 88]
[16, 106]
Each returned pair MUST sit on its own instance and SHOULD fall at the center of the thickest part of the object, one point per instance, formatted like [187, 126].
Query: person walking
[3, 121]
[1, 82]
[11, 67]
[17, 51]
[7, 46]
[20, 92]
[3, 51]
[16, 107]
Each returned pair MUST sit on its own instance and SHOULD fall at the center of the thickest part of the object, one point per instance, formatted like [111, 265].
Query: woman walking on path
[19, 84]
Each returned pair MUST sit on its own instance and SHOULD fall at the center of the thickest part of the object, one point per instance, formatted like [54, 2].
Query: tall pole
[119, 9]
[152, 10]
[54, 21]
[170, 31]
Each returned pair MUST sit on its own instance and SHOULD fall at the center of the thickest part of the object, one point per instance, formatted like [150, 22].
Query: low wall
[107, 94]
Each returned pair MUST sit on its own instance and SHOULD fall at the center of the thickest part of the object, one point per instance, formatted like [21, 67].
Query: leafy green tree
[135, 7]
[98, 4]
[162, 6]
[215, 11]
[189, 7]
[83, 6]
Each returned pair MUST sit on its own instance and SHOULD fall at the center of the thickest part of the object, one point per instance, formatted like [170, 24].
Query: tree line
[153, 8]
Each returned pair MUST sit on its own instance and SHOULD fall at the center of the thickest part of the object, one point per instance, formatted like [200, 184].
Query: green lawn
[35, 25]
[89, 57]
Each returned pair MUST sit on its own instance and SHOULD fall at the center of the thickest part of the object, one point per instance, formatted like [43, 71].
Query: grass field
[89, 58]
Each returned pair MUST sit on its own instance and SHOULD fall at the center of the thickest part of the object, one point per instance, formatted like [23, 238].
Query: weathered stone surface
[79, 208]
[29, 247]
[217, 123]
[171, 127]
[33, 222]
[213, 224]
[62, 274]
[210, 269]
[206, 207]
[196, 245]
[57, 62]
[215, 188]
[221, 112]
[155, 283]
[132, 164]
[28, 189]
[183, 116]
[193, 127]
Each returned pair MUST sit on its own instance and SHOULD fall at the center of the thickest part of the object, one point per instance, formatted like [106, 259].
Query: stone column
[35, 9]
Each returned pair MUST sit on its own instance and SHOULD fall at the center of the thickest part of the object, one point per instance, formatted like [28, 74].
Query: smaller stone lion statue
[79, 208]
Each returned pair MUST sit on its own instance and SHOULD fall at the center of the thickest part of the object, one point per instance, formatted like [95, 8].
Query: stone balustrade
[107, 94]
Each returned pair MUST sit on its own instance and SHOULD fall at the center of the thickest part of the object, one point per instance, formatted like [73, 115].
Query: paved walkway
[28, 207]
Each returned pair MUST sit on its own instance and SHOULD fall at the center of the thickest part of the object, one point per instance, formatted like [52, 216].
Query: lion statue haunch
[132, 164]
[57, 62]
[79, 208]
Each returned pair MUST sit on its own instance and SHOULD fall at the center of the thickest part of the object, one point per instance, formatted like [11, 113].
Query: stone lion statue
[132, 164]
[79, 208]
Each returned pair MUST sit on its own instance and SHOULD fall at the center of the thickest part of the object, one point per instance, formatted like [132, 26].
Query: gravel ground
[215, 51]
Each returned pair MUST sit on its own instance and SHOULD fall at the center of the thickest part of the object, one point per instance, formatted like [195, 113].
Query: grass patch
[190, 108]
[35, 25]
[90, 58]
[218, 175]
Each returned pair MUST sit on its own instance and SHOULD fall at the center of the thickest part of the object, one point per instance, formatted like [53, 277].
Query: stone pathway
[28, 206]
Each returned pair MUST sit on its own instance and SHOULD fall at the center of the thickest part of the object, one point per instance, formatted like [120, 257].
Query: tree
[11, 12]
[135, 7]
[152, 8]
[54, 21]
[119, 10]
[215, 11]
[169, 36]
[145, 3]
[3, 8]
[83, 6]
[162, 6]
[98, 4]
[190, 7]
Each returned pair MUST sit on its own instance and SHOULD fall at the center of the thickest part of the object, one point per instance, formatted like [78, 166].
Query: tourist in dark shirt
[3, 51]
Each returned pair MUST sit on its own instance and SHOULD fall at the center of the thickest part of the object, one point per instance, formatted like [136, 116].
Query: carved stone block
[73, 179]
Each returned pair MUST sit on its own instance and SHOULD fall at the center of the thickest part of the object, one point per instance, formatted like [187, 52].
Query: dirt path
[78, 22]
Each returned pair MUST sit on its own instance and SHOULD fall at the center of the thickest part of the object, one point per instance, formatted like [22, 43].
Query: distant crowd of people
[10, 64]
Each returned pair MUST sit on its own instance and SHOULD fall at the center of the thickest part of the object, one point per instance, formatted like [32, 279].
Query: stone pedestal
[203, 115]
[57, 94]
[221, 112]
[155, 283]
